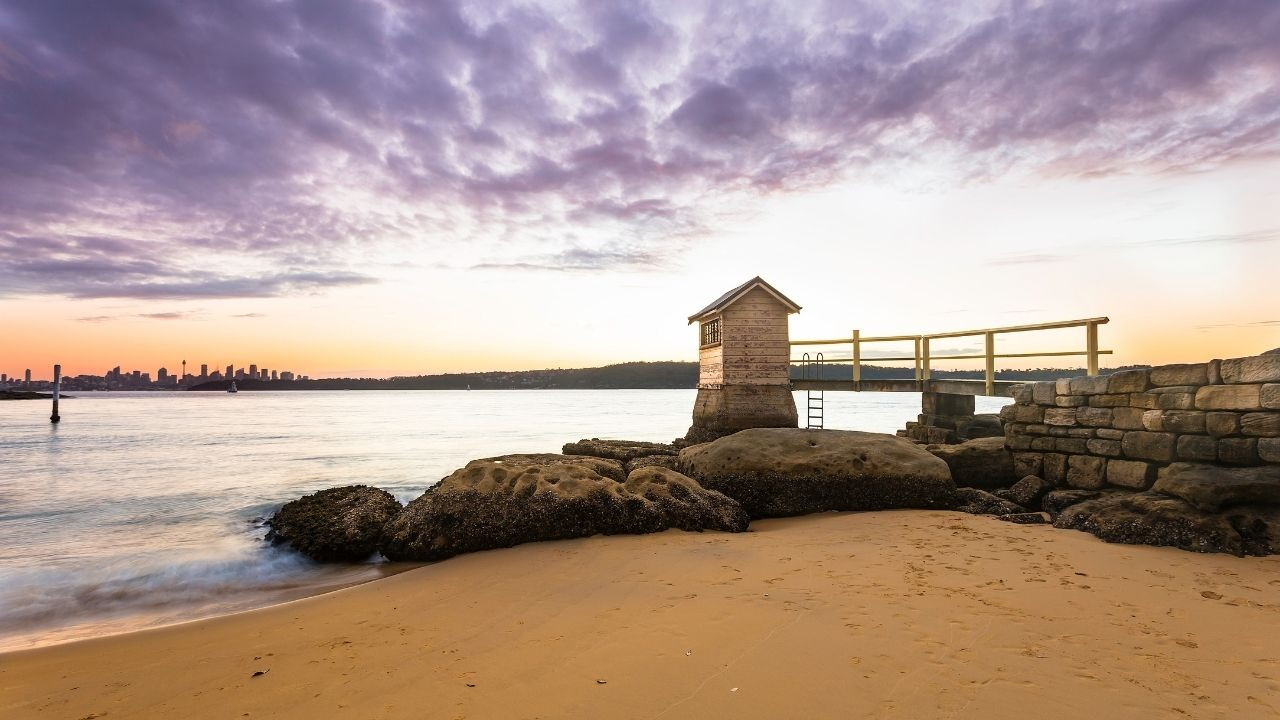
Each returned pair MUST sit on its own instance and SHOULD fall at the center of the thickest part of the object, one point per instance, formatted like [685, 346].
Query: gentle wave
[38, 597]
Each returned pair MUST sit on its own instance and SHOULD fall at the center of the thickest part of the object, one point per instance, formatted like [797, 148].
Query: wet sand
[907, 614]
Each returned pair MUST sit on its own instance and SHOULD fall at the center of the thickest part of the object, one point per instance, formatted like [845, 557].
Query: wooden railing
[923, 358]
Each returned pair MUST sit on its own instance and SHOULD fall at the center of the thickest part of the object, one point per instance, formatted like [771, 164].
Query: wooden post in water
[57, 387]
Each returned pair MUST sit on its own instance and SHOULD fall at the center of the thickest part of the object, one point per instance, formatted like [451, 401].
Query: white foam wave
[33, 597]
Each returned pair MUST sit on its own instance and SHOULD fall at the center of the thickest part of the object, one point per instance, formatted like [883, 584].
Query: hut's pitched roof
[735, 294]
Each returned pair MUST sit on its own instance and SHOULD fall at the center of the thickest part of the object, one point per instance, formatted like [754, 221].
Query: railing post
[917, 358]
[927, 372]
[1091, 346]
[857, 357]
[991, 363]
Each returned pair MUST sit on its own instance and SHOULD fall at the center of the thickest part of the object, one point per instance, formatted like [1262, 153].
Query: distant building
[28, 377]
[204, 371]
[215, 376]
[286, 376]
[274, 375]
[229, 373]
[162, 375]
[253, 371]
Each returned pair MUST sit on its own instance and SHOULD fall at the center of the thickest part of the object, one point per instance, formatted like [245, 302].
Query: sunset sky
[382, 188]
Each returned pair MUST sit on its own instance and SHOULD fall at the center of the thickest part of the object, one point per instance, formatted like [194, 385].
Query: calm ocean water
[145, 508]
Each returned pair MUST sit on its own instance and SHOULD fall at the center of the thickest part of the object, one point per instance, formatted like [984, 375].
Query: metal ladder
[811, 369]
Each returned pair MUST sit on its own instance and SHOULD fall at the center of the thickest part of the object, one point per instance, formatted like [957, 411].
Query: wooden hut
[743, 362]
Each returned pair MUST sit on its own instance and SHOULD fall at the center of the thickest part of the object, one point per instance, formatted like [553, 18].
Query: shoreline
[130, 620]
[914, 612]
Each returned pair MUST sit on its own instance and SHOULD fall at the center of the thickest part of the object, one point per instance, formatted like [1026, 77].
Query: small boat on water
[233, 388]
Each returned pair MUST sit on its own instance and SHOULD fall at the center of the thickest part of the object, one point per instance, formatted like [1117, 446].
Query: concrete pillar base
[946, 418]
[726, 410]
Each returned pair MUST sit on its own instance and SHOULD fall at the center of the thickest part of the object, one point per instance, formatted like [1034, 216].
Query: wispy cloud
[1095, 248]
[1254, 324]
[579, 259]
[170, 315]
[95, 267]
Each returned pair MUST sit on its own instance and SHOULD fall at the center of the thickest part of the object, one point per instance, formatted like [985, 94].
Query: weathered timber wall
[754, 347]
[1120, 429]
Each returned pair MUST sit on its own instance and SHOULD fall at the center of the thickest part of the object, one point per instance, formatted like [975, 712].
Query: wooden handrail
[922, 357]
[1025, 328]
[980, 356]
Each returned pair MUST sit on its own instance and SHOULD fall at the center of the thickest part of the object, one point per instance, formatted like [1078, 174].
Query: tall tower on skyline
[184, 371]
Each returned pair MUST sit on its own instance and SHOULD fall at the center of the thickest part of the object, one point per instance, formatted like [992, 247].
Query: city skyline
[532, 185]
[117, 378]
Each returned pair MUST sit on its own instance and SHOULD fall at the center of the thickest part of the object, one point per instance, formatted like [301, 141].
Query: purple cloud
[139, 141]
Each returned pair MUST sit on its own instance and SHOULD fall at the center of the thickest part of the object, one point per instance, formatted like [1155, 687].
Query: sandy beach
[895, 614]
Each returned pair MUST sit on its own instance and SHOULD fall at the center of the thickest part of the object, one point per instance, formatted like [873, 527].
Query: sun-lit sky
[387, 188]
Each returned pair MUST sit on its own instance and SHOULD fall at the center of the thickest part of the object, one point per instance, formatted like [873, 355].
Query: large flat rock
[1211, 487]
[776, 472]
[515, 499]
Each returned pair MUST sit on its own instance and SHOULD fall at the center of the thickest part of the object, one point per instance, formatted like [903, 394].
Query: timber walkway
[811, 363]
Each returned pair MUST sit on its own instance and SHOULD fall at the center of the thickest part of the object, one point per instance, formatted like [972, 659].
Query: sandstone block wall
[1118, 430]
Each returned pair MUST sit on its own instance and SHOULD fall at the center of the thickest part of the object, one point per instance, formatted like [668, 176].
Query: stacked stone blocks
[1118, 430]
[947, 418]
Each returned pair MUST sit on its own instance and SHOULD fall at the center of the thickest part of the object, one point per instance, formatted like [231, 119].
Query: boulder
[621, 450]
[776, 472]
[1211, 488]
[503, 502]
[981, 502]
[671, 462]
[1056, 501]
[980, 463]
[1150, 518]
[1028, 491]
[342, 524]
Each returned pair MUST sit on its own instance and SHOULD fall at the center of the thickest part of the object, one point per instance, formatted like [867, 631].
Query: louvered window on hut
[711, 332]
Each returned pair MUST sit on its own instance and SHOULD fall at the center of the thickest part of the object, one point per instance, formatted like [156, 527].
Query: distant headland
[622, 376]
